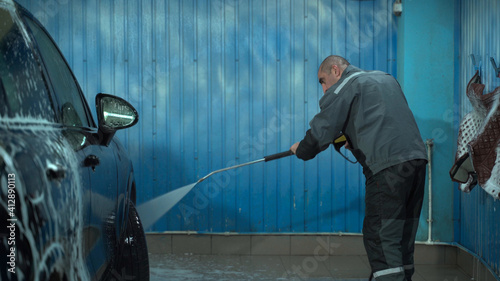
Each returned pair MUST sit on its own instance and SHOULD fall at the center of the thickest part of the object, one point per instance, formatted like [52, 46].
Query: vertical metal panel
[219, 82]
[479, 213]
[296, 123]
[323, 218]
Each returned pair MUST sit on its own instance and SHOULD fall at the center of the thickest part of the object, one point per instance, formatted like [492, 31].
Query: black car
[67, 186]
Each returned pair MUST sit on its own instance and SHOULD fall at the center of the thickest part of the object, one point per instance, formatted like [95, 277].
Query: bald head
[330, 71]
[326, 65]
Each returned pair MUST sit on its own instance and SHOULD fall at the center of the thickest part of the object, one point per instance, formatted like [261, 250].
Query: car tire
[133, 262]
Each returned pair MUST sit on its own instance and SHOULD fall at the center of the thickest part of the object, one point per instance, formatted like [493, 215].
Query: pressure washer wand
[265, 159]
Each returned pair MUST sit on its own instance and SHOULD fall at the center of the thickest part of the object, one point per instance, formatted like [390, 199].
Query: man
[370, 110]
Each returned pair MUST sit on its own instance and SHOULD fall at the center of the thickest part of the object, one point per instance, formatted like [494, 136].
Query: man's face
[329, 79]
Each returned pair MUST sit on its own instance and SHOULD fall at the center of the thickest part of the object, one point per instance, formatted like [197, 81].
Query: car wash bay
[218, 83]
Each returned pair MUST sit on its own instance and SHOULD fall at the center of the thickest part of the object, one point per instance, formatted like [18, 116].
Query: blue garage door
[223, 82]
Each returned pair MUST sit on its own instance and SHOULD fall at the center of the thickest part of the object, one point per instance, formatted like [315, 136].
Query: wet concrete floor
[251, 267]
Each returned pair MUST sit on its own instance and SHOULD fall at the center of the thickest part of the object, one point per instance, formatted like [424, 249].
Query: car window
[23, 91]
[72, 111]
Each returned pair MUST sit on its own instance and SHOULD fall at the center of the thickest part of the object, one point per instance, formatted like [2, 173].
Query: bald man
[371, 111]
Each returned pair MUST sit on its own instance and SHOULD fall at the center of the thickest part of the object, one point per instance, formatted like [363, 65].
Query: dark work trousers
[393, 203]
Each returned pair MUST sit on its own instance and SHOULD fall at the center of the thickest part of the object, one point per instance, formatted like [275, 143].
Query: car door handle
[55, 172]
[91, 161]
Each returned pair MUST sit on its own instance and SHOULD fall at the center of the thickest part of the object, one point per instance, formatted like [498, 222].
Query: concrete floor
[289, 267]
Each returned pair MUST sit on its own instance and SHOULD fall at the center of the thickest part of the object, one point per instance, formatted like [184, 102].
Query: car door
[101, 184]
[39, 178]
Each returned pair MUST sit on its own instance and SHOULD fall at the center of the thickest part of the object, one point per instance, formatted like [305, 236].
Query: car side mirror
[113, 113]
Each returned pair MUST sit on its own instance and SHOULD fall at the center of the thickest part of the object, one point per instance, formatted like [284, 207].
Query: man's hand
[347, 145]
[294, 147]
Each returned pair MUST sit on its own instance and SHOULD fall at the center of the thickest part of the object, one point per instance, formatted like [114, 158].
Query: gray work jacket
[370, 109]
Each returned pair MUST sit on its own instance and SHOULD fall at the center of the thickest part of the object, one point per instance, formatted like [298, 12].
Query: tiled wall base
[474, 267]
[319, 245]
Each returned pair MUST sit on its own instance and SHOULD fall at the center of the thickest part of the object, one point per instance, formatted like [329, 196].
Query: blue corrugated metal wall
[479, 213]
[224, 82]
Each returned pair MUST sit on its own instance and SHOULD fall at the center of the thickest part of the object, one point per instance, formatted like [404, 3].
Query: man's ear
[335, 70]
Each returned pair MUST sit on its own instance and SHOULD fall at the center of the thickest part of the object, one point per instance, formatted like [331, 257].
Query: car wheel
[133, 263]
